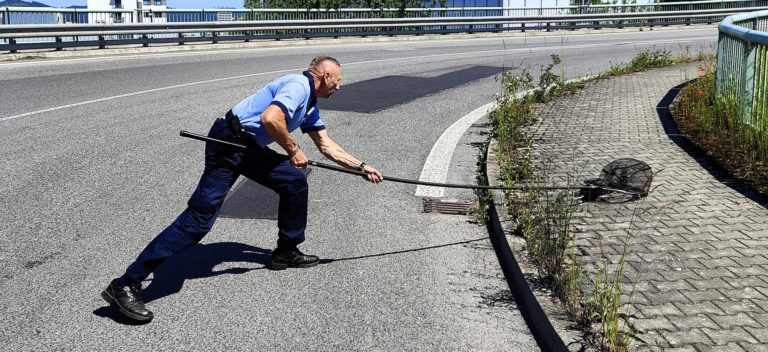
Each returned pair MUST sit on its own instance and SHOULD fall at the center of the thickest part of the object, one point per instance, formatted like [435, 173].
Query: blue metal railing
[742, 66]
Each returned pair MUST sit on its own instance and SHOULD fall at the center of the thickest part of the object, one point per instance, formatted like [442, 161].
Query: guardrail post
[748, 82]
[214, 36]
[144, 40]
[719, 74]
[12, 42]
[181, 38]
[102, 42]
[59, 47]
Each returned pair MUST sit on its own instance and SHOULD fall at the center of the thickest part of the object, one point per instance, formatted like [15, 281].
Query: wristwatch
[294, 151]
[361, 168]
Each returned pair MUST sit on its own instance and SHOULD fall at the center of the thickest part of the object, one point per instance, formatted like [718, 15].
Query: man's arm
[273, 120]
[334, 152]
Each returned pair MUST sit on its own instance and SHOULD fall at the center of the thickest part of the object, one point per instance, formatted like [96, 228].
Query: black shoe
[127, 298]
[291, 258]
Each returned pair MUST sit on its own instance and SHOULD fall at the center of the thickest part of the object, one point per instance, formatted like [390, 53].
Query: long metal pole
[409, 181]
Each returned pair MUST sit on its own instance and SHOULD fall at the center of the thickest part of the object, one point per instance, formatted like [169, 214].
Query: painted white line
[500, 51]
[137, 93]
[436, 167]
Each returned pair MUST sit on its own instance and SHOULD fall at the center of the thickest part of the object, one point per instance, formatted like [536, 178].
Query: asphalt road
[93, 168]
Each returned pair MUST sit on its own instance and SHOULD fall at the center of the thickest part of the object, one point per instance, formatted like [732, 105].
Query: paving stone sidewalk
[698, 250]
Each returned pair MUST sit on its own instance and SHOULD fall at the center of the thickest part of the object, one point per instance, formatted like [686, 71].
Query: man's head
[327, 73]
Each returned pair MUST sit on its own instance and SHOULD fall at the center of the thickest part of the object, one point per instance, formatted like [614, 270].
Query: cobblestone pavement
[698, 248]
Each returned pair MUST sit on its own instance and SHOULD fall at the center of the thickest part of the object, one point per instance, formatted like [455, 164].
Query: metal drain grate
[447, 206]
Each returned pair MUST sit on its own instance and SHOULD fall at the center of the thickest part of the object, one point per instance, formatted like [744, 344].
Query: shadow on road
[112, 313]
[391, 91]
[328, 261]
[197, 262]
[201, 260]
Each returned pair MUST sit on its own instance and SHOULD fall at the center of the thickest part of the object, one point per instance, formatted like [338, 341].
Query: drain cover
[447, 206]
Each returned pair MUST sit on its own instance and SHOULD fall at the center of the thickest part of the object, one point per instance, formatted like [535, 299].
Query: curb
[547, 332]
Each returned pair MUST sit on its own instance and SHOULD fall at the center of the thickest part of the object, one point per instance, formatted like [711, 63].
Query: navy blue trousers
[223, 165]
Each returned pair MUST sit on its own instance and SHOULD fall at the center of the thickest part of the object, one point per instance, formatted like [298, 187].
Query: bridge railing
[81, 28]
[31, 15]
[742, 66]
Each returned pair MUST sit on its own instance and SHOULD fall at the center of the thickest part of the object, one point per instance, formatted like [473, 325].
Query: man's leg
[188, 229]
[276, 172]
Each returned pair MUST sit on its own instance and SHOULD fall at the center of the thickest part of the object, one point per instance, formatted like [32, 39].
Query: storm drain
[447, 206]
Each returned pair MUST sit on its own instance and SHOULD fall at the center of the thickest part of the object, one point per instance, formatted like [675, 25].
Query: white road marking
[137, 93]
[436, 166]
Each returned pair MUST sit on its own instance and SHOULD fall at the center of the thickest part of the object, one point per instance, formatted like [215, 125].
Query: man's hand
[299, 159]
[373, 175]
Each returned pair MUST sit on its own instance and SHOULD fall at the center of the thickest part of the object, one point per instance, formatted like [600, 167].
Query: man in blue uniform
[269, 115]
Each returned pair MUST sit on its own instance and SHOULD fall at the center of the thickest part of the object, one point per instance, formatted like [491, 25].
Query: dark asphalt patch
[250, 200]
[385, 92]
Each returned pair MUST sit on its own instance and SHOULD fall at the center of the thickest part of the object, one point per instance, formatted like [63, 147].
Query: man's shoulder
[291, 84]
[293, 77]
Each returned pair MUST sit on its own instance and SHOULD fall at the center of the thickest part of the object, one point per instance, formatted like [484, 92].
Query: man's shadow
[200, 260]
[197, 262]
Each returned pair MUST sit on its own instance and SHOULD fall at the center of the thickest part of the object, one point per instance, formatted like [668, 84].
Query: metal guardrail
[349, 22]
[742, 66]
[27, 15]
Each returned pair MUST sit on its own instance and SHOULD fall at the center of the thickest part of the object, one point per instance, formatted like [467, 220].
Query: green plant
[479, 210]
[716, 123]
[605, 306]
[543, 218]
[654, 59]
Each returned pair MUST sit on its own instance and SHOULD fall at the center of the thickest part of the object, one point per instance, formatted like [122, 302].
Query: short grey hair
[320, 59]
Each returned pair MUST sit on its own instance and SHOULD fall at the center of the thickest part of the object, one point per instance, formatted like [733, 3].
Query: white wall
[99, 4]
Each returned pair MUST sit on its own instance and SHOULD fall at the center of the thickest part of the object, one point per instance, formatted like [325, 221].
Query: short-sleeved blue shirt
[294, 94]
